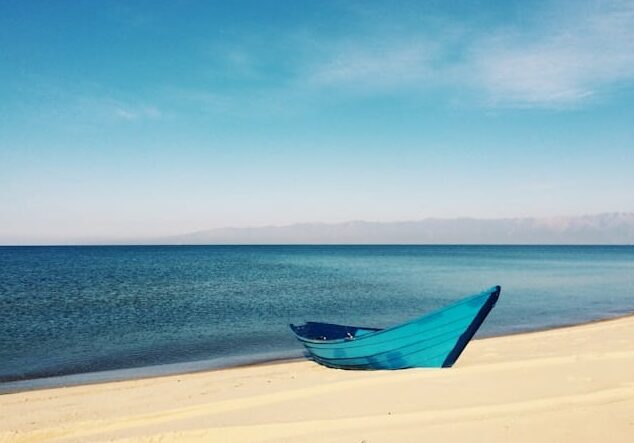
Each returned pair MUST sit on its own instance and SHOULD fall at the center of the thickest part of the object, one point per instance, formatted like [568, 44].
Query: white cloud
[130, 112]
[560, 56]
[557, 55]
[386, 65]
[566, 61]
[125, 114]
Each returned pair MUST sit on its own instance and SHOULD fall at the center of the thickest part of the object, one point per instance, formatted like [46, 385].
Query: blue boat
[434, 340]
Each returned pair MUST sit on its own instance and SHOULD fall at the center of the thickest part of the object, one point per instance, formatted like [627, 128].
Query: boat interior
[328, 331]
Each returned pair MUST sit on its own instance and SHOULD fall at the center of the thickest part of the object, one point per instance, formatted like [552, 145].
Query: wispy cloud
[574, 54]
[564, 61]
[558, 55]
[382, 65]
[132, 112]
[60, 104]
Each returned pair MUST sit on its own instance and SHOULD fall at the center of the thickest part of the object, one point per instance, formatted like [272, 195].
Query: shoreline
[570, 383]
[109, 376]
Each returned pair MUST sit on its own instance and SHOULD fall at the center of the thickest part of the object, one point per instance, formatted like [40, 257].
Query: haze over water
[78, 310]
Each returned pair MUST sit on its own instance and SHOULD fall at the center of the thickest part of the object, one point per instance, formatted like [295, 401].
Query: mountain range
[608, 228]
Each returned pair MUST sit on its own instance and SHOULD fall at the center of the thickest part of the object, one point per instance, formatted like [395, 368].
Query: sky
[141, 119]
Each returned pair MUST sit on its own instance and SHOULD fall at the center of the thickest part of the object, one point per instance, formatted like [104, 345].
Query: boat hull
[434, 340]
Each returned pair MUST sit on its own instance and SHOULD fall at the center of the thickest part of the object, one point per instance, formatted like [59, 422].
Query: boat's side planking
[434, 340]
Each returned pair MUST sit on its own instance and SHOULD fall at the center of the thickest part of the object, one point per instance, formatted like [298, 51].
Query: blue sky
[140, 119]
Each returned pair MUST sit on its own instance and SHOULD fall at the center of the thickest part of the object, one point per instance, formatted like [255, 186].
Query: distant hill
[611, 228]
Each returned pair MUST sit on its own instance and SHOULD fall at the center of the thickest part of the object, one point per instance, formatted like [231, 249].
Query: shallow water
[78, 310]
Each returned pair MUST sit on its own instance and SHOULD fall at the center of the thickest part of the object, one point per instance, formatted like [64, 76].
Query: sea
[81, 314]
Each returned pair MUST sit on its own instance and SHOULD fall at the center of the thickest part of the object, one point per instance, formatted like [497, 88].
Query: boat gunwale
[415, 333]
[488, 292]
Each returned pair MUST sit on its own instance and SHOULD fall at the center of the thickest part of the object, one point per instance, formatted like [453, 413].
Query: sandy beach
[568, 384]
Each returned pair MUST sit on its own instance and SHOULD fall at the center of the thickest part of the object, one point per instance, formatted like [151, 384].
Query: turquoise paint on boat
[434, 340]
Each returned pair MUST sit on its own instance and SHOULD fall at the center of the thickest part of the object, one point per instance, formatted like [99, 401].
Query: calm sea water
[83, 310]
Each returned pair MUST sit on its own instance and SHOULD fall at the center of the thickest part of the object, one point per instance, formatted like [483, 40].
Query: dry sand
[572, 384]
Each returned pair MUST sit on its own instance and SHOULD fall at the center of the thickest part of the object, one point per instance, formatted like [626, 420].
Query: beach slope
[569, 384]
